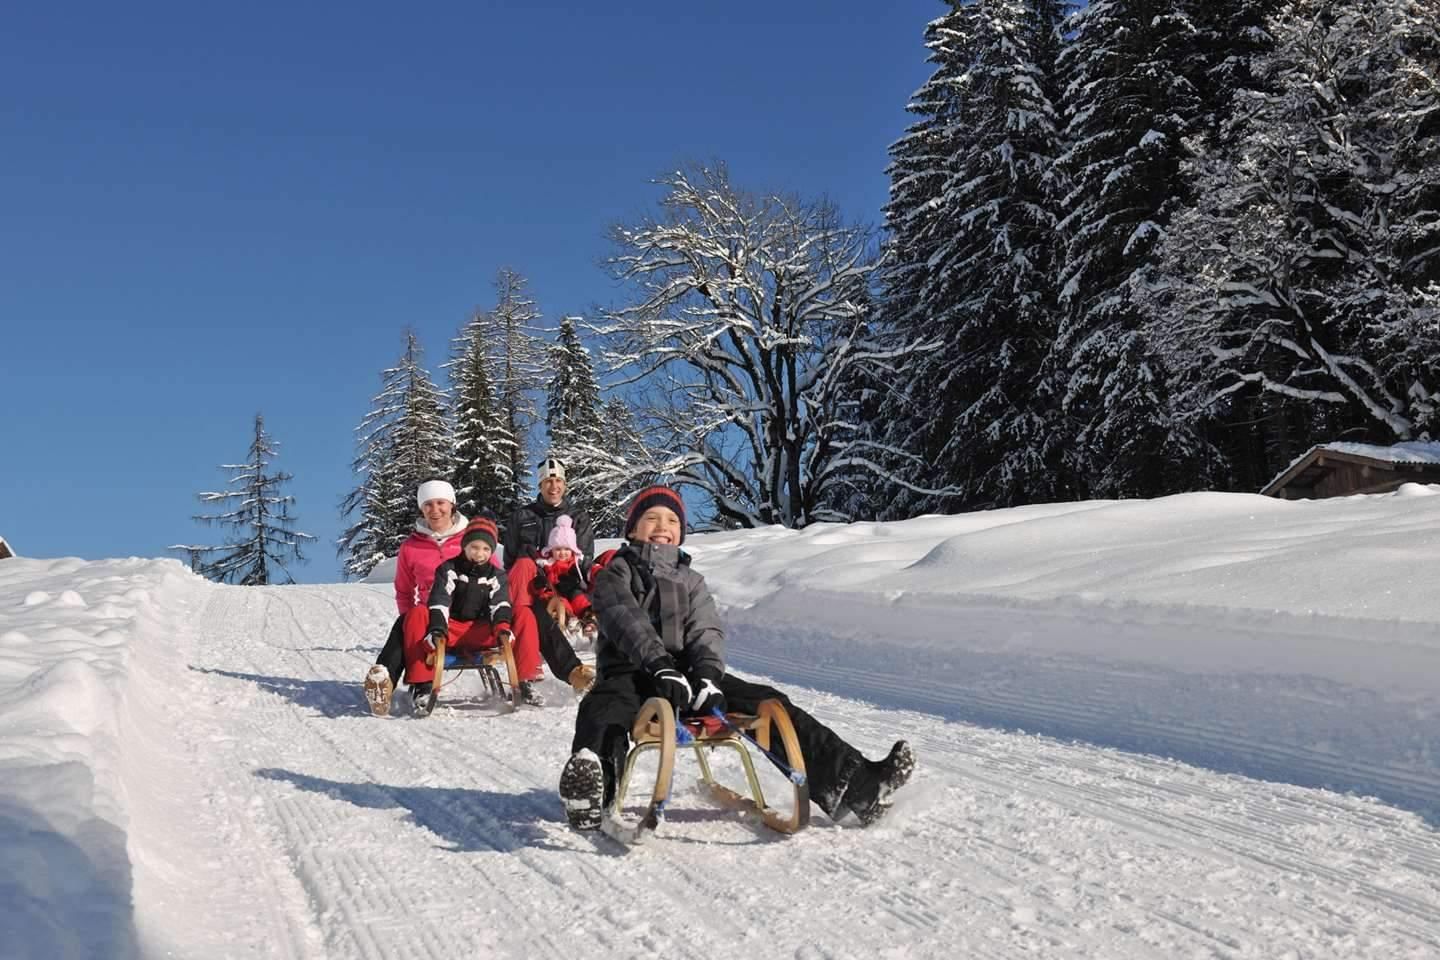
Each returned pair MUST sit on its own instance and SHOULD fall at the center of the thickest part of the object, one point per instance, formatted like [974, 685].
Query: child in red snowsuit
[553, 589]
[560, 583]
[469, 608]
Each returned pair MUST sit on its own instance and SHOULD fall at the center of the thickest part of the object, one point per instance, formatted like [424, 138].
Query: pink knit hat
[563, 536]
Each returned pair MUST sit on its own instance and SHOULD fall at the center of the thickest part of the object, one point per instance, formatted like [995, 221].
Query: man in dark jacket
[527, 533]
[529, 528]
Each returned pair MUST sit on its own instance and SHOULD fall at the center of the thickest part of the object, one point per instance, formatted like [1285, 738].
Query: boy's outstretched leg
[841, 779]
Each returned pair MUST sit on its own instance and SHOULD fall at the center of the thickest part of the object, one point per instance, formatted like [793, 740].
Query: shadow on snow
[465, 820]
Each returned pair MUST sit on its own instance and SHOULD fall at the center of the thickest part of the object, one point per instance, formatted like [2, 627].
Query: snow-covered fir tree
[484, 453]
[971, 259]
[518, 359]
[747, 308]
[1128, 104]
[624, 445]
[1306, 273]
[616, 463]
[403, 441]
[1228, 36]
[262, 539]
[572, 414]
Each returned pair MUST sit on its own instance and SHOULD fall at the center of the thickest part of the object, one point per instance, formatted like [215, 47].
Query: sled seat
[655, 729]
[488, 662]
[475, 659]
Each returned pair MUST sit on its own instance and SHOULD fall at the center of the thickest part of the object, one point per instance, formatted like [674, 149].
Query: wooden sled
[486, 662]
[655, 729]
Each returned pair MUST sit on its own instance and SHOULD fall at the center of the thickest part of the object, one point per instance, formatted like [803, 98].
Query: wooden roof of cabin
[1415, 459]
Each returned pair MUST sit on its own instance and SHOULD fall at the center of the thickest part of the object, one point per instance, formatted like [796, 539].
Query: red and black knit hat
[656, 496]
[481, 528]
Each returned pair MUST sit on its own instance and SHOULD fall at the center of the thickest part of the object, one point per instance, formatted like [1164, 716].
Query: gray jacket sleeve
[704, 636]
[622, 621]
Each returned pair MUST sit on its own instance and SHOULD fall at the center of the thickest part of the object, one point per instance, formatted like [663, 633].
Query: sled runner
[656, 729]
[487, 662]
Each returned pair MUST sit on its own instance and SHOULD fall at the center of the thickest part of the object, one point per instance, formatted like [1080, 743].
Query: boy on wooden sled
[469, 610]
[660, 635]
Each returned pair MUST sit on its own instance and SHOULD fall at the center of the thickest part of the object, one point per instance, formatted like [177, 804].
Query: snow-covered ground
[187, 770]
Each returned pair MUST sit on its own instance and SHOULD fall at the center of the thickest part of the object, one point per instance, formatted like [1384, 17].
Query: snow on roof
[1411, 452]
[1415, 451]
[6, 550]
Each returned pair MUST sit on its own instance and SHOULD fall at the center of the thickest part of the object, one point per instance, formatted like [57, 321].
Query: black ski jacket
[468, 592]
[528, 531]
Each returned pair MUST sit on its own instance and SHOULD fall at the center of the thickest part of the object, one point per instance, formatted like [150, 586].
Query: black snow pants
[608, 712]
[392, 655]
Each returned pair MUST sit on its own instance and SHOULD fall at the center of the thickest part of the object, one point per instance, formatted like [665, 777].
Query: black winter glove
[671, 684]
[708, 697]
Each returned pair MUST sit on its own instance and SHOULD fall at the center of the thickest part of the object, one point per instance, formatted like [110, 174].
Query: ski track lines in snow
[1307, 730]
[443, 837]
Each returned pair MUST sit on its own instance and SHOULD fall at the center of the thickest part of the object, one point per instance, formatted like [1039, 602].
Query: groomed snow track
[287, 822]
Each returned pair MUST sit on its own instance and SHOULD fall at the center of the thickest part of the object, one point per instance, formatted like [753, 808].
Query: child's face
[657, 525]
[562, 555]
[477, 551]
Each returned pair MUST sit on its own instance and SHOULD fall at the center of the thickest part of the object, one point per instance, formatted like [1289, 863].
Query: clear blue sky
[211, 211]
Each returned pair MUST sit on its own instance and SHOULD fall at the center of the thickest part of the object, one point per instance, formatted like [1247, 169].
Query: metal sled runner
[487, 662]
[656, 729]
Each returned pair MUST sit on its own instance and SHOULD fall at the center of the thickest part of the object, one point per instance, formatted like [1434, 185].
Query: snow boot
[421, 700]
[379, 688]
[530, 695]
[868, 792]
[582, 790]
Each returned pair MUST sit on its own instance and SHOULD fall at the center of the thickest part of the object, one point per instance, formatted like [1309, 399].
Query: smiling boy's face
[477, 551]
[657, 525]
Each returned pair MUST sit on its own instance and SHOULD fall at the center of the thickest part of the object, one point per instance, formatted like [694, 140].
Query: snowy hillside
[188, 770]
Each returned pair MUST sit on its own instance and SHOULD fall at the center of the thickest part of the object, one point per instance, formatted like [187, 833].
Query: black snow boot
[873, 782]
[530, 693]
[582, 790]
[421, 702]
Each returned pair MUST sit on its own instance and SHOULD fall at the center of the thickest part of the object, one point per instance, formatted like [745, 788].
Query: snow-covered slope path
[284, 821]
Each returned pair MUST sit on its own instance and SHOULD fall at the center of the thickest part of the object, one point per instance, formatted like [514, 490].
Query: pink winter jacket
[420, 554]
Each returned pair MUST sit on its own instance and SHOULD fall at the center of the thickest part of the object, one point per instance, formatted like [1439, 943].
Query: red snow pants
[467, 637]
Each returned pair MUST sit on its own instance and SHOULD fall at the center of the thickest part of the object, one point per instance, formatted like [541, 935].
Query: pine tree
[624, 443]
[1229, 36]
[1129, 105]
[518, 356]
[484, 476]
[572, 414]
[971, 218]
[403, 441]
[263, 536]
[1304, 279]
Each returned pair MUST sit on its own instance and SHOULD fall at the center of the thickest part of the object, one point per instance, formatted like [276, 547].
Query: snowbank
[1292, 640]
[67, 667]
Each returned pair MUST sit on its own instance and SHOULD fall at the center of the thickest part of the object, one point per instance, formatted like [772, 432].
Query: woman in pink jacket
[436, 538]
